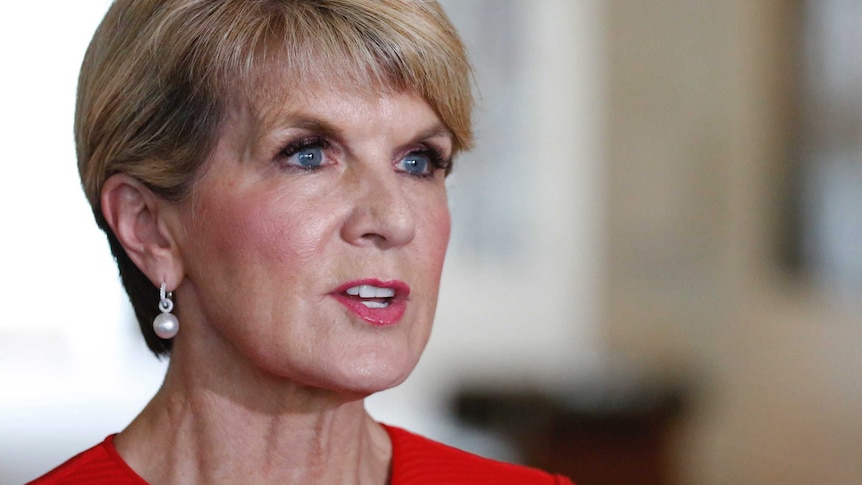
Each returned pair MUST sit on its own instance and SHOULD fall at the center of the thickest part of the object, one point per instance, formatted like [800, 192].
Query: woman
[270, 176]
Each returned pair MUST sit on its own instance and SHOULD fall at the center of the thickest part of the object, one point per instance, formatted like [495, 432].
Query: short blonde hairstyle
[160, 76]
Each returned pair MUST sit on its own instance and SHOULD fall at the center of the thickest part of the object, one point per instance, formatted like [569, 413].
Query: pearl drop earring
[166, 324]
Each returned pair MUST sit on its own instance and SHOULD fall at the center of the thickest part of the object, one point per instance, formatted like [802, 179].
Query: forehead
[282, 72]
[331, 99]
[332, 104]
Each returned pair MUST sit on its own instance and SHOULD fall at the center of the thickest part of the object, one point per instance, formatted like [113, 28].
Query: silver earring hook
[165, 302]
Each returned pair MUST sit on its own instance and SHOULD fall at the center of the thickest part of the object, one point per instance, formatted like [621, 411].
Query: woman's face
[331, 194]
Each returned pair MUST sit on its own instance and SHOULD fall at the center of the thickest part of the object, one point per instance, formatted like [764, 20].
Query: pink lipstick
[380, 303]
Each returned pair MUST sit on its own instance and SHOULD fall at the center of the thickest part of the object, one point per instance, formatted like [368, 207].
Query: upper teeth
[368, 291]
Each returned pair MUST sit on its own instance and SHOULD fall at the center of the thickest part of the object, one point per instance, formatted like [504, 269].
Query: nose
[382, 215]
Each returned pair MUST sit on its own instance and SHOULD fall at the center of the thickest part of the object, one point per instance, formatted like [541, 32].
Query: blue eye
[416, 163]
[309, 157]
[307, 154]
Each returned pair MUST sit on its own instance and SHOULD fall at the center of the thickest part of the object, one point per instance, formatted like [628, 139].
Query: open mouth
[380, 303]
[371, 296]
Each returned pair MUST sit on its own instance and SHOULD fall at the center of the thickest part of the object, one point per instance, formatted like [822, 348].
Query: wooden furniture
[601, 433]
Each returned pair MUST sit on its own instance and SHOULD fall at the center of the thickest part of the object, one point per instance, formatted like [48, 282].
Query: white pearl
[166, 325]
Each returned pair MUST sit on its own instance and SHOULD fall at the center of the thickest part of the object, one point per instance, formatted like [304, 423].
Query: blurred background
[655, 272]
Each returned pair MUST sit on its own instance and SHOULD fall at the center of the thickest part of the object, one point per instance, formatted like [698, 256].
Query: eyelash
[306, 143]
[434, 154]
[435, 158]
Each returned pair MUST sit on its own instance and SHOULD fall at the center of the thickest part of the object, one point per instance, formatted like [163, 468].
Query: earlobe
[133, 214]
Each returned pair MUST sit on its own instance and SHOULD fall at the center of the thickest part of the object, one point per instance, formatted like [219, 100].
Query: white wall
[58, 290]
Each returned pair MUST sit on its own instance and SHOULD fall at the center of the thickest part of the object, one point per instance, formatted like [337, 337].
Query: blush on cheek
[230, 225]
[292, 233]
[441, 227]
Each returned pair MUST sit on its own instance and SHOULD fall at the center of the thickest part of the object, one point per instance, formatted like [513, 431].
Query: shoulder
[100, 465]
[418, 460]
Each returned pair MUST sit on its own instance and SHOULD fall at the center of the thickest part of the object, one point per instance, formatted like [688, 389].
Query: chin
[368, 376]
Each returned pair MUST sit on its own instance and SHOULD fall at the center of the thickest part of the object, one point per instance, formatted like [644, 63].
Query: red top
[415, 461]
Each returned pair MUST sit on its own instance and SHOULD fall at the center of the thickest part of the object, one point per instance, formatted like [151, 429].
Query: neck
[230, 424]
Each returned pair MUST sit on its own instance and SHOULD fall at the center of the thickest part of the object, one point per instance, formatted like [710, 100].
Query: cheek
[439, 225]
[443, 232]
[270, 229]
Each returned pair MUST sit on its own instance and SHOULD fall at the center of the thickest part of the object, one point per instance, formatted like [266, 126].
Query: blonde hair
[159, 77]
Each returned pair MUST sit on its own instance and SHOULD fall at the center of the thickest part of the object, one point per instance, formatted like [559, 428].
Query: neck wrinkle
[197, 430]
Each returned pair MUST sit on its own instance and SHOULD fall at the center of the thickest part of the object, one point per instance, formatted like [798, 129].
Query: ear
[133, 213]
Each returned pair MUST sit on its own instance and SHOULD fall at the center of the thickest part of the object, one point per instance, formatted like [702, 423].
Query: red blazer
[415, 461]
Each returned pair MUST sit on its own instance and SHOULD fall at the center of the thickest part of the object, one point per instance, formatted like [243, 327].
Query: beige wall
[700, 118]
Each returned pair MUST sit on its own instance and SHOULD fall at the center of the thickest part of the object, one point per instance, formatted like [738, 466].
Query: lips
[379, 303]
[372, 296]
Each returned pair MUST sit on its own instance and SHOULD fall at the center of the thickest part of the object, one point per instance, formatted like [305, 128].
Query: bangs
[281, 48]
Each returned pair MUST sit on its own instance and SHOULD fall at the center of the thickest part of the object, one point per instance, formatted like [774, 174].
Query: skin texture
[268, 372]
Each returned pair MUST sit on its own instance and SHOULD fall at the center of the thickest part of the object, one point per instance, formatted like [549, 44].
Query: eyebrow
[317, 126]
[329, 130]
[438, 130]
